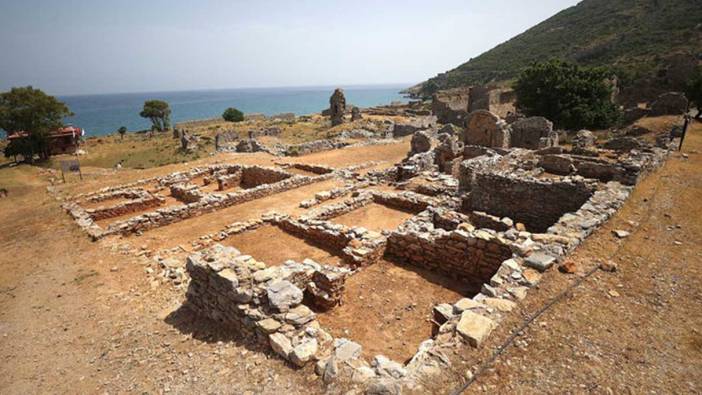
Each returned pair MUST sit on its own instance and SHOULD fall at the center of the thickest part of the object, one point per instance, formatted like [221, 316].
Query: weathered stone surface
[465, 304]
[502, 305]
[304, 352]
[474, 328]
[540, 261]
[486, 129]
[356, 114]
[280, 344]
[621, 233]
[401, 129]
[533, 133]
[299, 315]
[388, 368]
[337, 107]
[345, 350]
[421, 142]
[283, 294]
[451, 106]
[268, 325]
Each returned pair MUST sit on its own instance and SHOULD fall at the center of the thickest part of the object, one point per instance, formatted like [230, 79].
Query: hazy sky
[99, 46]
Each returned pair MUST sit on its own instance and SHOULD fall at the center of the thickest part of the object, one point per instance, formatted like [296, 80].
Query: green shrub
[231, 114]
[571, 96]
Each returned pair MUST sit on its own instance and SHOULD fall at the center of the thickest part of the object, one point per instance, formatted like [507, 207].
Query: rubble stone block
[474, 328]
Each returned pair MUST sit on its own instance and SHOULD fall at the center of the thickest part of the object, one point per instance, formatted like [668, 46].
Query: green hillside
[633, 36]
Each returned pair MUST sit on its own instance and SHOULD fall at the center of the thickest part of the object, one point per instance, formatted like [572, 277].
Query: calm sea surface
[103, 114]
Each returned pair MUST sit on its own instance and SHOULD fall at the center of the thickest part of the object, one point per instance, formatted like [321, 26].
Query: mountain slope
[634, 36]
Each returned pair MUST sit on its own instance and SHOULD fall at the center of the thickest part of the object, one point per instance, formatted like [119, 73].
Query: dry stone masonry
[494, 206]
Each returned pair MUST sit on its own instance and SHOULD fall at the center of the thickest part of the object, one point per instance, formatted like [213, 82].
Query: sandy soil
[386, 308]
[274, 246]
[376, 217]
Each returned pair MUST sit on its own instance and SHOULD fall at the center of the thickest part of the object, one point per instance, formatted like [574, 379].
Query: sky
[99, 46]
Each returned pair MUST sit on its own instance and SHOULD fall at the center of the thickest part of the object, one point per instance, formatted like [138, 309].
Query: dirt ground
[274, 246]
[386, 308]
[81, 317]
[373, 216]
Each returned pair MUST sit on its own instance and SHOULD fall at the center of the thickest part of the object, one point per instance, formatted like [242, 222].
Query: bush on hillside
[231, 114]
[571, 96]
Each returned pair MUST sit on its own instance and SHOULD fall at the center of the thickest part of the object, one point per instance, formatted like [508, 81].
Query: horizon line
[407, 85]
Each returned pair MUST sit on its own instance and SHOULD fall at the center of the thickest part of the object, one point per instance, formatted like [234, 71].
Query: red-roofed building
[63, 141]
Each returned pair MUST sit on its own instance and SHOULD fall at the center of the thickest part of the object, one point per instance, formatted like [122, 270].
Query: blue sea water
[104, 114]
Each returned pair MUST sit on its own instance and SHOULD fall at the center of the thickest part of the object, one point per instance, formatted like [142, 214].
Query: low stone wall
[317, 169]
[313, 146]
[208, 203]
[253, 176]
[472, 255]
[228, 181]
[139, 204]
[186, 193]
[626, 169]
[537, 203]
[358, 246]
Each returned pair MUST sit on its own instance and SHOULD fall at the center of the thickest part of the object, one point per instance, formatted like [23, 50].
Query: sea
[103, 114]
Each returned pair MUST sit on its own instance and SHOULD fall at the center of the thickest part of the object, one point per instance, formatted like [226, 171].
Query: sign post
[71, 165]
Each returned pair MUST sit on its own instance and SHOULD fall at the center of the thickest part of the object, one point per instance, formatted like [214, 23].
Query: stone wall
[474, 255]
[208, 203]
[186, 193]
[486, 129]
[265, 303]
[253, 176]
[229, 180]
[313, 146]
[139, 204]
[451, 106]
[537, 203]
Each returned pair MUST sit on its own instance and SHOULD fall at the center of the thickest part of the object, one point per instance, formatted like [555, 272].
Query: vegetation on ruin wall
[631, 36]
[573, 97]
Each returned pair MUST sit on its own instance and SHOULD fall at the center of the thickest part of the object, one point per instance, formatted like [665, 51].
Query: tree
[231, 114]
[693, 91]
[122, 131]
[571, 96]
[159, 113]
[34, 112]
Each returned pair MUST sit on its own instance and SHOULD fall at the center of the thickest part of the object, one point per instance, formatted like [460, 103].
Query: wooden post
[684, 131]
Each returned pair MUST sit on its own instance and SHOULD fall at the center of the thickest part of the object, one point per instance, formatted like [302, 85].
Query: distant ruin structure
[337, 107]
[355, 114]
[486, 129]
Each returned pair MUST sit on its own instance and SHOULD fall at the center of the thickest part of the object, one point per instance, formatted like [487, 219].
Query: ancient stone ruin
[486, 129]
[355, 114]
[475, 216]
[337, 107]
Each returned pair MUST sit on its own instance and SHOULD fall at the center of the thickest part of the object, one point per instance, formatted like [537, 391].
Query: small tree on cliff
[32, 111]
[122, 131]
[159, 113]
[573, 97]
[694, 92]
[231, 114]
